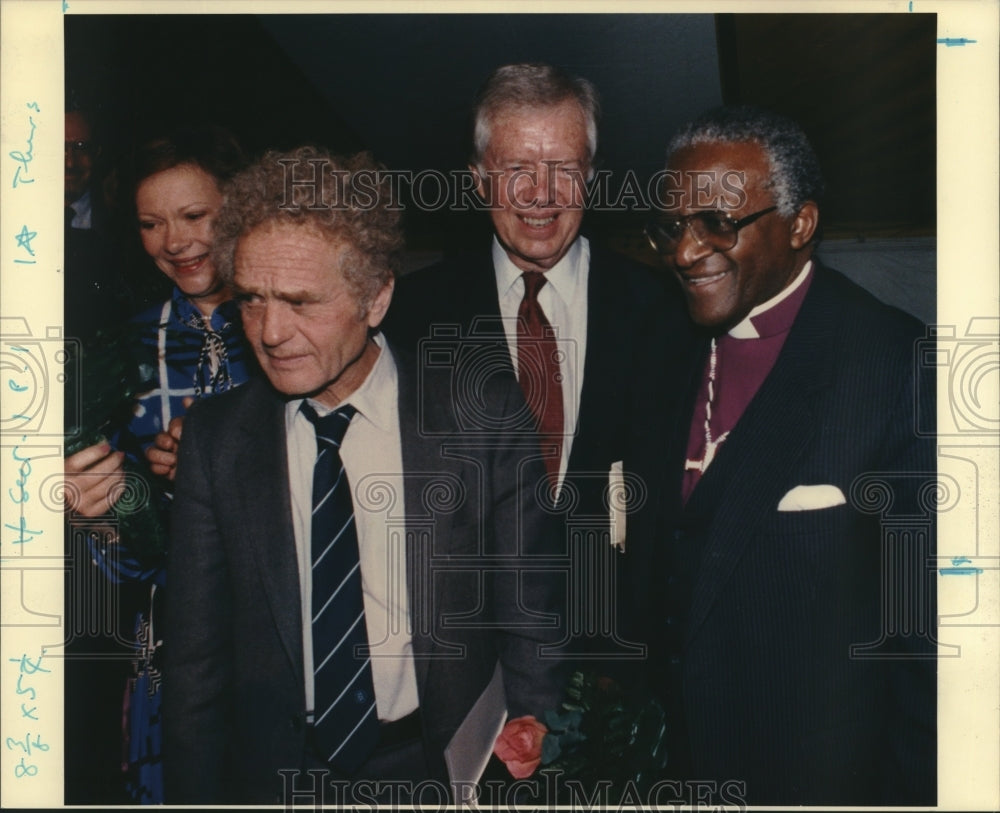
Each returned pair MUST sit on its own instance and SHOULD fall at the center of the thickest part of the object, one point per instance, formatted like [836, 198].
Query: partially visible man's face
[536, 164]
[300, 316]
[80, 151]
[722, 287]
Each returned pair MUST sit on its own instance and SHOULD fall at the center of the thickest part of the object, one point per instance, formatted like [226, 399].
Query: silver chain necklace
[711, 446]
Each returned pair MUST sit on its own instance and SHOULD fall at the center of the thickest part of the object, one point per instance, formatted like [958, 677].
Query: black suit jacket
[629, 313]
[795, 648]
[233, 684]
[633, 322]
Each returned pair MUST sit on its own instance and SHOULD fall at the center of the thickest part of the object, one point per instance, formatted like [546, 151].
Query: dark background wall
[863, 87]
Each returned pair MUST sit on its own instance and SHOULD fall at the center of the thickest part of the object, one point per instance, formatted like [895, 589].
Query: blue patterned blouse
[188, 356]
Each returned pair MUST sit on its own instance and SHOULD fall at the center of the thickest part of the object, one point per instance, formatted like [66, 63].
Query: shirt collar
[82, 211]
[783, 317]
[375, 399]
[563, 276]
[222, 317]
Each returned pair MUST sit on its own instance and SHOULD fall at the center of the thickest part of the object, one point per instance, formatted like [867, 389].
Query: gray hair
[531, 85]
[345, 198]
[795, 173]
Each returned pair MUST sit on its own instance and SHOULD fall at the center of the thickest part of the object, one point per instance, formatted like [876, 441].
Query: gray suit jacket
[234, 707]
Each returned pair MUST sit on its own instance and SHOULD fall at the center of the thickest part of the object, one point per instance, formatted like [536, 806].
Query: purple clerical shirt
[744, 358]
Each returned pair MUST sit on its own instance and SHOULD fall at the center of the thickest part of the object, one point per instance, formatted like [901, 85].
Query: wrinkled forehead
[716, 175]
[739, 156]
[287, 248]
[565, 121]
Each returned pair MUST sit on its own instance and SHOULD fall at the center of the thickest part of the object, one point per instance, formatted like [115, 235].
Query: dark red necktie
[538, 370]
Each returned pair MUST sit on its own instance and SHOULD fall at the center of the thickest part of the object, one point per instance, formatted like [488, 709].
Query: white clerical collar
[746, 329]
[562, 276]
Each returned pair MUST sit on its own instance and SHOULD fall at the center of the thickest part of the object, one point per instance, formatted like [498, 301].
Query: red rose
[519, 746]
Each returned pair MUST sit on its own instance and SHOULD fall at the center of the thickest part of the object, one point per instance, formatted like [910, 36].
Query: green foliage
[109, 380]
[102, 382]
[600, 732]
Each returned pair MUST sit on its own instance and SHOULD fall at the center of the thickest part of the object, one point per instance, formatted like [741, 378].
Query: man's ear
[804, 225]
[380, 304]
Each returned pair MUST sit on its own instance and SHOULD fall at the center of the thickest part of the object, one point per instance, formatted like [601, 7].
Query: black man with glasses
[781, 572]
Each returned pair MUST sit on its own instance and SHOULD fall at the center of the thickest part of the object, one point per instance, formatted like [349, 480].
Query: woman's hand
[162, 455]
[94, 480]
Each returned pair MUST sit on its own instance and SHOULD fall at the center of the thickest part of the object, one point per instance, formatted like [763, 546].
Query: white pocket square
[810, 498]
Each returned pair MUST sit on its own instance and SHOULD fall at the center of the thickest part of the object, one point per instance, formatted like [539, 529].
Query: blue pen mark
[951, 42]
[957, 570]
[22, 530]
[24, 238]
[24, 158]
[19, 495]
[911, 5]
[28, 667]
[31, 745]
[14, 386]
[65, 6]
[23, 769]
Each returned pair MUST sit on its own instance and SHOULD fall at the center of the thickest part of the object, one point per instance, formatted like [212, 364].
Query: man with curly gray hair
[319, 514]
[790, 619]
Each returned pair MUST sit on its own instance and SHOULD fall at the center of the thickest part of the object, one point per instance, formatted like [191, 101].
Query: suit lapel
[483, 289]
[602, 299]
[746, 481]
[420, 455]
[477, 308]
[679, 439]
[262, 468]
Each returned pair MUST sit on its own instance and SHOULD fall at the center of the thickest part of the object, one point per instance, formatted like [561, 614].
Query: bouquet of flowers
[599, 733]
[104, 393]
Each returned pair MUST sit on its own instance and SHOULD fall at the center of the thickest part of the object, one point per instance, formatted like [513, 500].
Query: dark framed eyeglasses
[715, 229]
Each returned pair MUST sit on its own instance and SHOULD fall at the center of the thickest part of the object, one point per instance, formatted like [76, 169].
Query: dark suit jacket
[233, 684]
[632, 320]
[794, 649]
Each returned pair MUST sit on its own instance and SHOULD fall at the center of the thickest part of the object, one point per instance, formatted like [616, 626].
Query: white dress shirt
[563, 299]
[373, 460]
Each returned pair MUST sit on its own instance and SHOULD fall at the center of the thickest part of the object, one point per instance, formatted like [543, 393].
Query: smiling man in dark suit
[348, 571]
[782, 570]
[581, 328]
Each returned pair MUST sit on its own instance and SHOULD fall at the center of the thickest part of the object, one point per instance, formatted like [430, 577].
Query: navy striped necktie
[346, 720]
